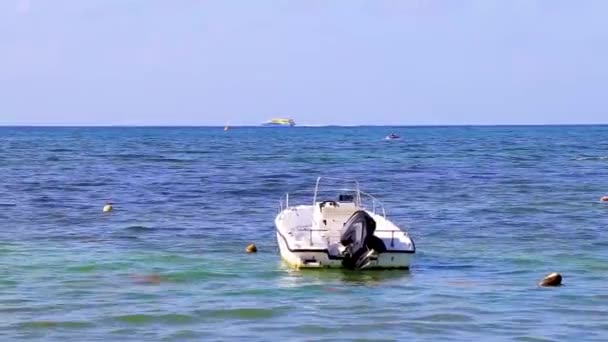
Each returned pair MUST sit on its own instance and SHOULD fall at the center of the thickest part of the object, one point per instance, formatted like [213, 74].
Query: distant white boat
[279, 122]
[392, 136]
[341, 233]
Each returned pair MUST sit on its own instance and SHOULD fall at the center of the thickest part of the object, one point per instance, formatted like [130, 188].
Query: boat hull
[276, 125]
[321, 258]
[348, 233]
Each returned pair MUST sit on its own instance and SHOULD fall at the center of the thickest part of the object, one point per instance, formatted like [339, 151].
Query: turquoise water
[491, 209]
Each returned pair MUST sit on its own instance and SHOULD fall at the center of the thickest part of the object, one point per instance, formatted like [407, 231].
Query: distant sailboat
[227, 127]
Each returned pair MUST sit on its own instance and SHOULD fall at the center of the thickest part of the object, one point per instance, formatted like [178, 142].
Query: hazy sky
[347, 62]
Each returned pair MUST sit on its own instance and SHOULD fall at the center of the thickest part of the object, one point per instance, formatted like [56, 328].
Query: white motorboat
[392, 136]
[339, 230]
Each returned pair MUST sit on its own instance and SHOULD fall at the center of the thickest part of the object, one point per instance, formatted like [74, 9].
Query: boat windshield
[343, 190]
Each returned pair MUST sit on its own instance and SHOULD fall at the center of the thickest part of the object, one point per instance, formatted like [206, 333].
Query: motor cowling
[360, 242]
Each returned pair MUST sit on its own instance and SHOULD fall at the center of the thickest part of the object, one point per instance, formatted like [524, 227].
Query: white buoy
[107, 208]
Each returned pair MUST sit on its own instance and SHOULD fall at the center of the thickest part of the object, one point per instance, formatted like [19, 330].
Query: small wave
[445, 317]
[243, 313]
[165, 160]
[195, 152]
[137, 228]
[125, 237]
[82, 268]
[42, 199]
[92, 184]
[531, 339]
[120, 156]
[596, 158]
[146, 318]
[54, 324]
[313, 329]
[449, 267]
[139, 157]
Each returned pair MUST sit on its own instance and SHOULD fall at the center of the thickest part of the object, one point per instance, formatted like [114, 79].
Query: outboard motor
[360, 241]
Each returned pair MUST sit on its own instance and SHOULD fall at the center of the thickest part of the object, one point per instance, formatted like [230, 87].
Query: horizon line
[297, 126]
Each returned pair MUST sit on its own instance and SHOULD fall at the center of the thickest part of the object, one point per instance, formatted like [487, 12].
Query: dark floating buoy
[551, 279]
[251, 248]
[604, 199]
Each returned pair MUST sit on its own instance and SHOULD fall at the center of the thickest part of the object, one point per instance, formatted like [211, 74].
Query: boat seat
[337, 216]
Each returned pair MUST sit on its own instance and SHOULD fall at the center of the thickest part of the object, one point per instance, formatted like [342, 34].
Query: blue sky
[204, 62]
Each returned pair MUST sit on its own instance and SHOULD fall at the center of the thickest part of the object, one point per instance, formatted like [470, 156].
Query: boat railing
[286, 200]
[375, 203]
[393, 232]
[335, 237]
[363, 199]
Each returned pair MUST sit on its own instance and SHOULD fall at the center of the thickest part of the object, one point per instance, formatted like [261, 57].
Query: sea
[492, 210]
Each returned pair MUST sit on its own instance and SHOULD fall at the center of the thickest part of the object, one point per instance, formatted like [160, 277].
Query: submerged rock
[251, 248]
[552, 279]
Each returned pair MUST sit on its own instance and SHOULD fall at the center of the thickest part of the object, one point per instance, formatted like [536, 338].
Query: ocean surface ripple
[491, 209]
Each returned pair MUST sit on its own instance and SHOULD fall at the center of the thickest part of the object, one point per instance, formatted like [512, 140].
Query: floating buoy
[551, 279]
[251, 248]
[107, 208]
[604, 199]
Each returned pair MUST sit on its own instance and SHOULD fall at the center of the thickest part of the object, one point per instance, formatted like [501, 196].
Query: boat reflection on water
[333, 279]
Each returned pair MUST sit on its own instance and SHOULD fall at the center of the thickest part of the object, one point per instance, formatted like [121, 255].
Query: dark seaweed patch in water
[195, 152]
[167, 160]
[54, 324]
[446, 317]
[242, 313]
[143, 229]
